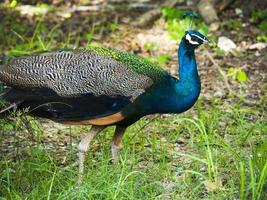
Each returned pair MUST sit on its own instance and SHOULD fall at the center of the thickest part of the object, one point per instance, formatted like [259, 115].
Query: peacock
[100, 87]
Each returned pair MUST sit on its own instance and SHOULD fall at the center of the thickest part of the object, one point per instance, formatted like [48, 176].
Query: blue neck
[187, 89]
[187, 62]
[172, 95]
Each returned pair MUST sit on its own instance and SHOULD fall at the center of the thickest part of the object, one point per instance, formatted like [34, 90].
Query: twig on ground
[225, 80]
[217, 66]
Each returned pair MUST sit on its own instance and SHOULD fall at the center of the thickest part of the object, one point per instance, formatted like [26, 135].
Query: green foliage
[259, 155]
[171, 13]
[263, 32]
[41, 9]
[177, 28]
[178, 21]
[237, 74]
[241, 76]
[262, 38]
[258, 15]
[11, 4]
[234, 24]
[4, 125]
[113, 25]
[89, 36]
[221, 154]
[151, 46]
[239, 54]
[219, 52]
[203, 28]
[263, 26]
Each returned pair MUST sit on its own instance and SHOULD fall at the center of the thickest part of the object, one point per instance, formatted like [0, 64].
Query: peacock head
[194, 38]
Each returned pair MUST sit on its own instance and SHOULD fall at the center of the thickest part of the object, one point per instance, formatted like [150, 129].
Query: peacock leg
[117, 142]
[84, 146]
[13, 105]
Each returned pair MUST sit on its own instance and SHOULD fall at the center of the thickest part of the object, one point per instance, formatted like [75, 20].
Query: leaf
[213, 185]
[112, 26]
[204, 29]
[171, 13]
[220, 53]
[8, 126]
[231, 73]
[13, 4]
[242, 76]
[177, 28]
[151, 46]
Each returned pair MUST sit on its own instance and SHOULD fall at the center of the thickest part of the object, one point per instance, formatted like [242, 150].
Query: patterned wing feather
[76, 72]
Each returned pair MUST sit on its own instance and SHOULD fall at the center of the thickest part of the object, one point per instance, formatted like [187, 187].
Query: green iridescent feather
[134, 62]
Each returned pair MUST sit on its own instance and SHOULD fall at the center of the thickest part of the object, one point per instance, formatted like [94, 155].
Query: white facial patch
[199, 37]
[188, 37]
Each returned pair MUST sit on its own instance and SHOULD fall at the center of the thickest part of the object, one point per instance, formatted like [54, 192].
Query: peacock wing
[73, 85]
[72, 73]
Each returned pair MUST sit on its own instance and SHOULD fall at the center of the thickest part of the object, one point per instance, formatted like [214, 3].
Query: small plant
[239, 54]
[219, 53]
[237, 74]
[234, 25]
[113, 25]
[263, 26]
[258, 15]
[41, 9]
[89, 35]
[177, 28]
[262, 38]
[171, 13]
[150, 46]
[178, 21]
[263, 32]
[11, 5]
[4, 125]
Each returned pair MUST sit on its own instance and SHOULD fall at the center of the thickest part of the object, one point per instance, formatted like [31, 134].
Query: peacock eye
[193, 38]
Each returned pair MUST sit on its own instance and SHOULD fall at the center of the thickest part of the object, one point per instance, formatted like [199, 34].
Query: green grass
[219, 154]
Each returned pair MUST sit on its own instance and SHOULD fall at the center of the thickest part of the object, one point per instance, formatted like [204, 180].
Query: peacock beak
[206, 40]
